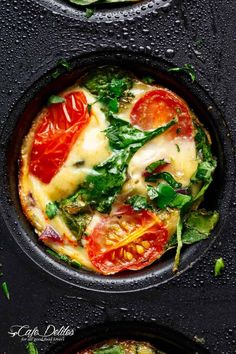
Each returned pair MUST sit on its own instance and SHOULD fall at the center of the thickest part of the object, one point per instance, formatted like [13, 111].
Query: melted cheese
[182, 162]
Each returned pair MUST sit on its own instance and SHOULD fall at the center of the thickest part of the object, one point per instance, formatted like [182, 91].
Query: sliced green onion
[5, 290]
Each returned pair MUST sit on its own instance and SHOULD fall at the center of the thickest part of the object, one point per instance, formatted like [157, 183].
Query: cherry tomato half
[56, 134]
[126, 240]
[157, 108]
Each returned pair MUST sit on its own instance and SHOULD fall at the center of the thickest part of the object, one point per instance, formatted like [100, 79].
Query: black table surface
[32, 39]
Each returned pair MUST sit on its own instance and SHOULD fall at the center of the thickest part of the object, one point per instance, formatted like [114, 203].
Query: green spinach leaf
[166, 176]
[154, 165]
[148, 80]
[122, 134]
[139, 202]
[197, 226]
[89, 12]
[179, 245]
[76, 223]
[165, 196]
[219, 266]
[205, 170]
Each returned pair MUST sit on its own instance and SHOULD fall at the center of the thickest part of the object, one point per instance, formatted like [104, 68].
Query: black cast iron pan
[20, 120]
[162, 338]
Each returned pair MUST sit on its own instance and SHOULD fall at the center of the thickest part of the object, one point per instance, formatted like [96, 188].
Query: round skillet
[162, 338]
[20, 120]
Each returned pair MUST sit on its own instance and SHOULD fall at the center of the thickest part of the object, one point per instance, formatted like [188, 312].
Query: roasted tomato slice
[157, 108]
[56, 133]
[126, 240]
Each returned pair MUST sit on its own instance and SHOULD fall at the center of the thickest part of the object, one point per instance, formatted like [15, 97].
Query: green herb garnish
[207, 165]
[122, 134]
[54, 99]
[89, 12]
[111, 349]
[75, 264]
[205, 170]
[165, 196]
[55, 74]
[178, 131]
[219, 266]
[154, 165]
[79, 163]
[197, 226]
[177, 147]
[179, 245]
[202, 144]
[187, 68]
[5, 290]
[166, 176]
[139, 202]
[110, 85]
[64, 63]
[63, 258]
[76, 223]
[51, 210]
[31, 348]
[148, 80]
[113, 105]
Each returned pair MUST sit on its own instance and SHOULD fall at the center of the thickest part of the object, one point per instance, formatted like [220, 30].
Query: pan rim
[127, 330]
[105, 13]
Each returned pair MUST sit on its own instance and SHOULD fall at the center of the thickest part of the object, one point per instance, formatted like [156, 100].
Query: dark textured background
[32, 39]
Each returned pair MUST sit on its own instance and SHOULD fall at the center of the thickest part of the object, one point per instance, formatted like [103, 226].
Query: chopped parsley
[64, 63]
[179, 245]
[55, 74]
[165, 196]
[5, 290]
[63, 258]
[148, 80]
[139, 202]
[51, 210]
[154, 165]
[219, 266]
[166, 176]
[89, 12]
[187, 68]
[31, 348]
[110, 85]
[177, 147]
